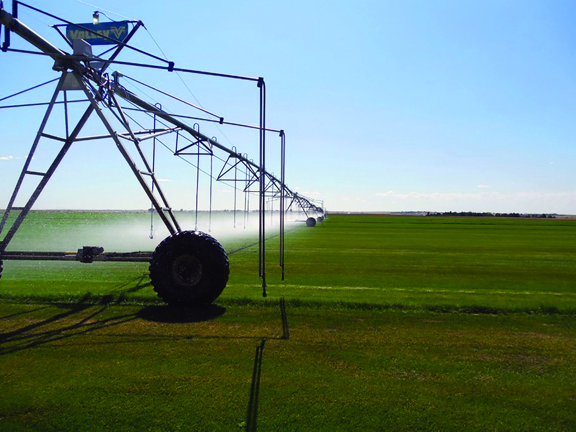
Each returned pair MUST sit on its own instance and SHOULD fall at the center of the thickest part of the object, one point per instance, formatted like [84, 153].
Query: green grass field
[396, 323]
[476, 264]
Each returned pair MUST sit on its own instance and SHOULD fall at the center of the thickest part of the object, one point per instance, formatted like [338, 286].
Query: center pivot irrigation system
[187, 267]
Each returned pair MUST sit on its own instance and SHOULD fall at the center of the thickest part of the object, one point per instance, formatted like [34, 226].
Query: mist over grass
[132, 231]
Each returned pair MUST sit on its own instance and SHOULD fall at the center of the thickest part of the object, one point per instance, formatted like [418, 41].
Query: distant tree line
[488, 214]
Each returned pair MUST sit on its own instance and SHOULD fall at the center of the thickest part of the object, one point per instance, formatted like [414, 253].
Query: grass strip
[133, 368]
[295, 303]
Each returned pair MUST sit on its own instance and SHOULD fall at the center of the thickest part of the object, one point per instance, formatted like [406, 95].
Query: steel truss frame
[104, 95]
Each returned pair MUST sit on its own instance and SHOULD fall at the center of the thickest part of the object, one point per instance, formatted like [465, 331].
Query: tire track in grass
[429, 290]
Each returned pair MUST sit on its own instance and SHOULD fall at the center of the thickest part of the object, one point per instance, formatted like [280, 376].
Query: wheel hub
[187, 270]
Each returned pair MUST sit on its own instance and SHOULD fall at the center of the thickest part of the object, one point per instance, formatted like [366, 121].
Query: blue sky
[387, 105]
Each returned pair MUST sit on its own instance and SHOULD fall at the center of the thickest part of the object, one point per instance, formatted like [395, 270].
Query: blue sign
[97, 34]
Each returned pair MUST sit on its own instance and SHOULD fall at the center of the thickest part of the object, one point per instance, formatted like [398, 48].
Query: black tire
[310, 222]
[1, 269]
[320, 219]
[189, 268]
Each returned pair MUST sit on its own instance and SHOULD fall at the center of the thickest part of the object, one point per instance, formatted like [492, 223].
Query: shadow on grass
[35, 334]
[141, 282]
[180, 314]
[21, 313]
[75, 323]
[252, 413]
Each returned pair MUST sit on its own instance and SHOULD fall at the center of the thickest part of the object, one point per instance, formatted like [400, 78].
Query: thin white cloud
[453, 196]
[483, 186]
[6, 158]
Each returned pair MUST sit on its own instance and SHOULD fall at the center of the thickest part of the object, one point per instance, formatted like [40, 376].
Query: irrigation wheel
[310, 222]
[189, 268]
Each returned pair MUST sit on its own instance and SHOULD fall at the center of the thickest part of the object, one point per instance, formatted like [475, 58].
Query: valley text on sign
[97, 34]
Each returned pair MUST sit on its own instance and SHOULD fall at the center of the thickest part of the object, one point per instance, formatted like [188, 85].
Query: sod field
[395, 323]
[468, 264]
